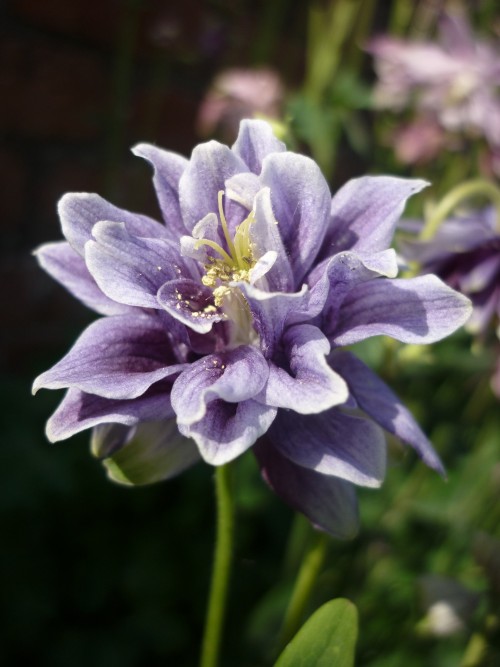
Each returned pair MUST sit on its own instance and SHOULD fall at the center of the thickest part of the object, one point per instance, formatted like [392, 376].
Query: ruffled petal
[116, 357]
[129, 269]
[147, 453]
[79, 411]
[233, 376]
[229, 429]
[364, 213]
[191, 303]
[417, 310]
[332, 280]
[256, 141]
[80, 211]
[376, 399]
[333, 443]
[265, 236]
[168, 169]
[210, 166]
[307, 384]
[67, 267]
[328, 502]
[271, 311]
[301, 203]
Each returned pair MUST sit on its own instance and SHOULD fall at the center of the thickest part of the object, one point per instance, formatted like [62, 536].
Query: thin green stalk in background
[221, 569]
[304, 585]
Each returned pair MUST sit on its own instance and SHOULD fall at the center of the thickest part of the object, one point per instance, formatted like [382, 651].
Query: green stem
[308, 574]
[476, 187]
[222, 565]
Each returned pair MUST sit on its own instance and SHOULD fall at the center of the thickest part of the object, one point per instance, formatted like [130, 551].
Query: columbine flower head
[453, 84]
[226, 325]
[465, 253]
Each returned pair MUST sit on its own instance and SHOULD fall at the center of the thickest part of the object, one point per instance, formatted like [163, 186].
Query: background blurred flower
[452, 83]
[465, 253]
[236, 94]
[224, 325]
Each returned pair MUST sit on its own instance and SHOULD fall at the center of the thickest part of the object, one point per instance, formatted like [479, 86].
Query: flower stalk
[221, 569]
[306, 579]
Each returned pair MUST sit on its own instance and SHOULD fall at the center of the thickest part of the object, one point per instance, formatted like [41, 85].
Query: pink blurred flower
[236, 94]
[452, 83]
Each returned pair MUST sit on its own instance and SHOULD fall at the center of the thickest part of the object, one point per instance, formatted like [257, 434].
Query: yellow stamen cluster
[232, 266]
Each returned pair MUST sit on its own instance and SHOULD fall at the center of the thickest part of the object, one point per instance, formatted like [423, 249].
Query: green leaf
[327, 639]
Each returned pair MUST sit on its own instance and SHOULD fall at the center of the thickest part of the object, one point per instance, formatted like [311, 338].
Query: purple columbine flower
[465, 253]
[226, 327]
[453, 84]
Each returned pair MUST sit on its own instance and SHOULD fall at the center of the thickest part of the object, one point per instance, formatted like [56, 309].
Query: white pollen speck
[159, 268]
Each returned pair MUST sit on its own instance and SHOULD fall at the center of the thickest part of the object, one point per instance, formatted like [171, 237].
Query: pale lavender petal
[416, 310]
[210, 166]
[116, 357]
[233, 376]
[261, 268]
[129, 269]
[331, 280]
[80, 211]
[305, 383]
[148, 453]
[376, 399]
[364, 213]
[242, 188]
[265, 236]
[333, 443]
[67, 267]
[168, 169]
[255, 141]
[229, 429]
[301, 204]
[79, 411]
[328, 502]
[191, 303]
[271, 312]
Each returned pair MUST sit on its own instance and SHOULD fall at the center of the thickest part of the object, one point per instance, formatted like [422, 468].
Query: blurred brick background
[80, 83]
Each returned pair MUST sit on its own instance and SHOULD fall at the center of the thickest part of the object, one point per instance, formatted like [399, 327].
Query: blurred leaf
[327, 639]
[349, 91]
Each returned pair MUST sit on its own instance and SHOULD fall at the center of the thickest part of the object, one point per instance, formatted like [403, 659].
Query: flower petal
[116, 357]
[210, 166]
[255, 141]
[150, 452]
[417, 310]
[301, 204]
[79, 411]
[310, 386]
[168, 169]
[266, 237]
[80, 211]
[333, 443]
[129, 269]
[271, 311]
[233, 376]
[191, 303]
[332, 279]
[364, 213]
[328, 502]
[376, 399]
[229, 429]
[67, 267]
